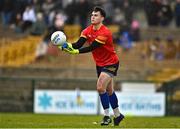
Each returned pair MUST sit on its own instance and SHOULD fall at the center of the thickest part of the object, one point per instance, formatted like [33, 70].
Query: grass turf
[25, 120]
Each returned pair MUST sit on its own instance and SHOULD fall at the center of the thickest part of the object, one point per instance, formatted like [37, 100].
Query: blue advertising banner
[65, 102]
[86, 102]
[141, 104]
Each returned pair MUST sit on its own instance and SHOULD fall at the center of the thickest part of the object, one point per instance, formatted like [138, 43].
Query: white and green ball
[58, 38]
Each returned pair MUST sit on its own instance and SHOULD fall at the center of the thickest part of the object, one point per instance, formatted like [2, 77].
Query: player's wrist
[69, 44]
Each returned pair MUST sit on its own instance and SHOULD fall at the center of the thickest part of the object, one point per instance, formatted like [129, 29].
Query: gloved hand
[67, 47]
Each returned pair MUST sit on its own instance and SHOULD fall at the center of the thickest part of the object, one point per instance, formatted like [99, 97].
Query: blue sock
[113, 100]
[104, 100]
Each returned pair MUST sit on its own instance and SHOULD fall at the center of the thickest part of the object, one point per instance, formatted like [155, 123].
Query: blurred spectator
[165, 13]
[71, 12]
[108, 7]
[117, 3]
[60, 19]
[58, 24]
[135, 30]
[7, 11]
[43, 48]
[38, 27]
[118, 17]
[83, 9]
[41, 51]
[58, 4]
[159, 53]
[47, 7]
[153, 47]
[125, 41]
[152, 9]
[177, 13]
[128, 11]
[170, 49]
[17, 23]
[29, 17]
[38, 5]
[19, 6]
[145, 53]
[124, 27]
[161, 50]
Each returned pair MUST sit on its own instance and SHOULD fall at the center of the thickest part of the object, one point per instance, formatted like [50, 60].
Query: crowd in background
[160, 49]
[22, 14]
[161, 12]
[43, 17]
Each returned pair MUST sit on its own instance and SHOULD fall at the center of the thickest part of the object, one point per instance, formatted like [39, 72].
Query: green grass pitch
[28, 120]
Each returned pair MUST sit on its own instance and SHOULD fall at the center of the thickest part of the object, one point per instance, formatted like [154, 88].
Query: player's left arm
[90, 48]
[95, 44]
[98, 42]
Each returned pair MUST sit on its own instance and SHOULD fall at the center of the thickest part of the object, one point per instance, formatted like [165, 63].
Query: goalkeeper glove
[67, 47]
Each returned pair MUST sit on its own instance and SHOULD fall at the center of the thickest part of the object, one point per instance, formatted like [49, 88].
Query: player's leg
[113, 98]
[102, 83]
[118, 117]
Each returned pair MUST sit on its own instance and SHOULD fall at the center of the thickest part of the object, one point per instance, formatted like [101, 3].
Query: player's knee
[110, 92]
[101, 90]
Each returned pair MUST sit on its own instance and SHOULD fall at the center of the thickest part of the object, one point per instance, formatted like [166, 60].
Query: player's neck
[97, 27]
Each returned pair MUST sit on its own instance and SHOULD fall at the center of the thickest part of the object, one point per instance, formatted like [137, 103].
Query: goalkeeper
[100, 41]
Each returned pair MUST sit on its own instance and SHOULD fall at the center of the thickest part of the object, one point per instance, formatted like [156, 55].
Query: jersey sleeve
[84, 33]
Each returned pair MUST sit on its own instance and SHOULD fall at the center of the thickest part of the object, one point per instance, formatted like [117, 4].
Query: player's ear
[102, 18]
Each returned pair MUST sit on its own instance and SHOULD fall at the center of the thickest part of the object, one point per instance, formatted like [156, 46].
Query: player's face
[96, 18]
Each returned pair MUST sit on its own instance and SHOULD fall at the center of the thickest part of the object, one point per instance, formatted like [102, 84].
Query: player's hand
[65, 45]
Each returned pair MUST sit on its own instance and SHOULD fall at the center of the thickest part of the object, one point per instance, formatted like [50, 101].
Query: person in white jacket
[28, 18]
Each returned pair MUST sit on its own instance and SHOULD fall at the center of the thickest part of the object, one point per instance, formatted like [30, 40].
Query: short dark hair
[101, 10]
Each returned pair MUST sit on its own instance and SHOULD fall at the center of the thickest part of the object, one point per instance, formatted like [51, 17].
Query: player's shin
[105, 103]
[114, 104]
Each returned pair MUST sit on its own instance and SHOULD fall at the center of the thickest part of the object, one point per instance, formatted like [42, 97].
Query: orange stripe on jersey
[83, 36]
[99, 41]
[102, 38]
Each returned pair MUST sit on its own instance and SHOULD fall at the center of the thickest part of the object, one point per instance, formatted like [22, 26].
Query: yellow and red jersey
[104, 55]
